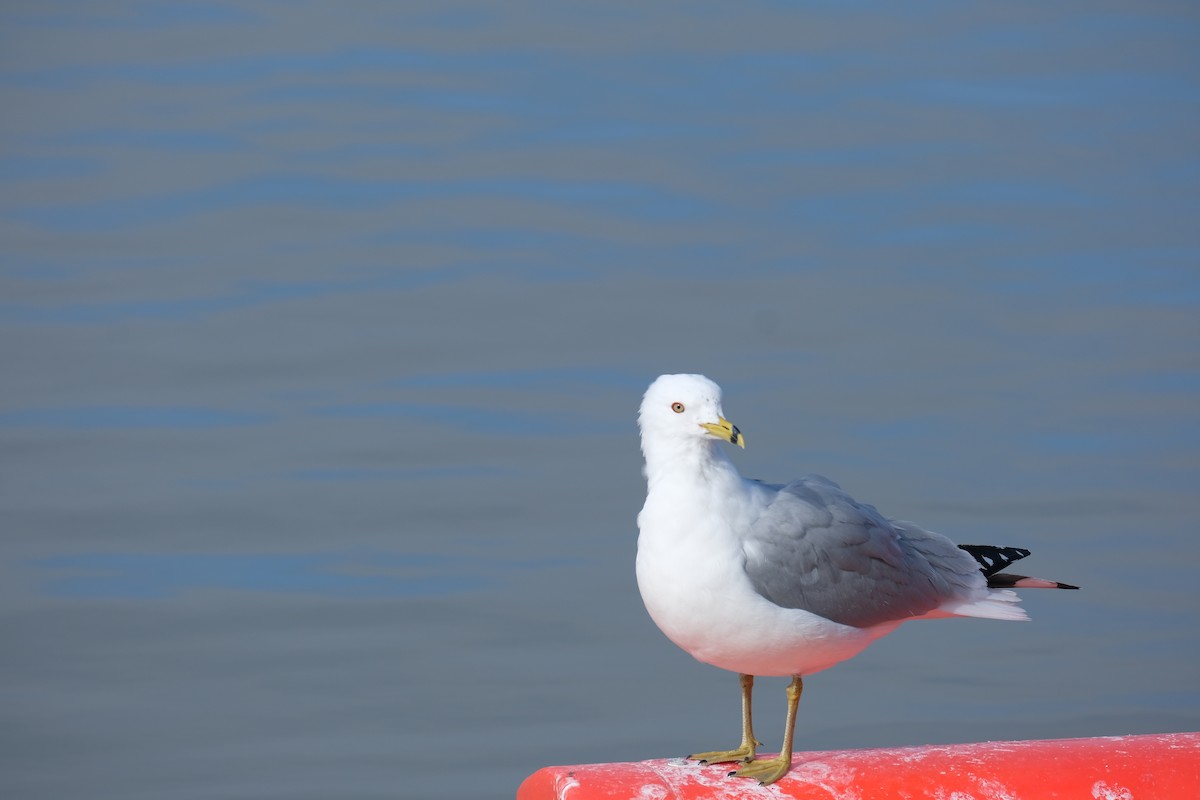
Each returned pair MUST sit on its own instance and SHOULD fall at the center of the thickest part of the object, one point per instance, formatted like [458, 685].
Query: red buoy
[1163, 766]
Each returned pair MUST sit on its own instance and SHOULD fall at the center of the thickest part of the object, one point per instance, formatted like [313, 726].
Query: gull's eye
[677, 408]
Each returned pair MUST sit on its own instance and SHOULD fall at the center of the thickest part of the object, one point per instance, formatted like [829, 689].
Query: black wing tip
[991, 558]
[1009, 580]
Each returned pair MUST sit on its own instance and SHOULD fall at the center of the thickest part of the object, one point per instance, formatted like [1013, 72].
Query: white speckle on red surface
[564, 784]
[1102, 790]
[650, 792]
[715, 778]
[834, 777]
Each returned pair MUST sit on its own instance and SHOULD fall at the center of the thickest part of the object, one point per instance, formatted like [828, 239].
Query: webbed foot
[766, 770]
[743, 752]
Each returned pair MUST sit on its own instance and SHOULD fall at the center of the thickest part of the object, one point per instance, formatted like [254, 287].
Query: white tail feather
[996, 604]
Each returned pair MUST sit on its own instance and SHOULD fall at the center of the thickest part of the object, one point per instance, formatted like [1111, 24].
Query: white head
[685, 409]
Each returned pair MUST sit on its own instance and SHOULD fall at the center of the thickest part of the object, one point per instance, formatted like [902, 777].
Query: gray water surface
[323, 329]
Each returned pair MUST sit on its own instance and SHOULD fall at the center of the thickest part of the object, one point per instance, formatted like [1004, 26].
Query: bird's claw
[743, 752]
[766, 770]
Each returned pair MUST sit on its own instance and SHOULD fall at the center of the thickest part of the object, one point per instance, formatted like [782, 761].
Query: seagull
[784, 579]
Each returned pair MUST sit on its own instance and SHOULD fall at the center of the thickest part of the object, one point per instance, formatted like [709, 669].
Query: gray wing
[816, 549]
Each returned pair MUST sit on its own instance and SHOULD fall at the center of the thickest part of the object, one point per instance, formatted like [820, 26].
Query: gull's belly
[696, 591]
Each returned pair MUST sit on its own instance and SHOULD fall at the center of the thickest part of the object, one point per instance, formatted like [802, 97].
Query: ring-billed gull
[786, 580]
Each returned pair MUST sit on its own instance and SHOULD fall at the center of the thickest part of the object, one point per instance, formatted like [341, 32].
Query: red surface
[1155, 767]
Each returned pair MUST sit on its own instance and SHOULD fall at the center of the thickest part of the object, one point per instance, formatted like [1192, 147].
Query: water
[324, 328]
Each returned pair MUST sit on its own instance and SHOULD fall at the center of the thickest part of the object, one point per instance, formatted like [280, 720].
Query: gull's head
[685, 408]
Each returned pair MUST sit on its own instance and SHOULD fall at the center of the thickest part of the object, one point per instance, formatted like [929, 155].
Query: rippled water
[324, 328]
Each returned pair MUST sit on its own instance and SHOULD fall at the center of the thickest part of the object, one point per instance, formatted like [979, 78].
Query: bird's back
[813, 547]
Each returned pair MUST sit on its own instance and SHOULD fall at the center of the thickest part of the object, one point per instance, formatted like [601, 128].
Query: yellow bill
[725, 430]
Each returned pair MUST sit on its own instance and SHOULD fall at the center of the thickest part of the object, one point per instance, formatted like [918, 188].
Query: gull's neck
[692, 461]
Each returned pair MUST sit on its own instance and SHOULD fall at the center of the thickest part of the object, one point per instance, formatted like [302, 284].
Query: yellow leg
[769, 770]
[745, 750]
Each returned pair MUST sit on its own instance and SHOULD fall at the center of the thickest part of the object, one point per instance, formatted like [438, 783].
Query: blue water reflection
[337, 574]
[97, 418]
